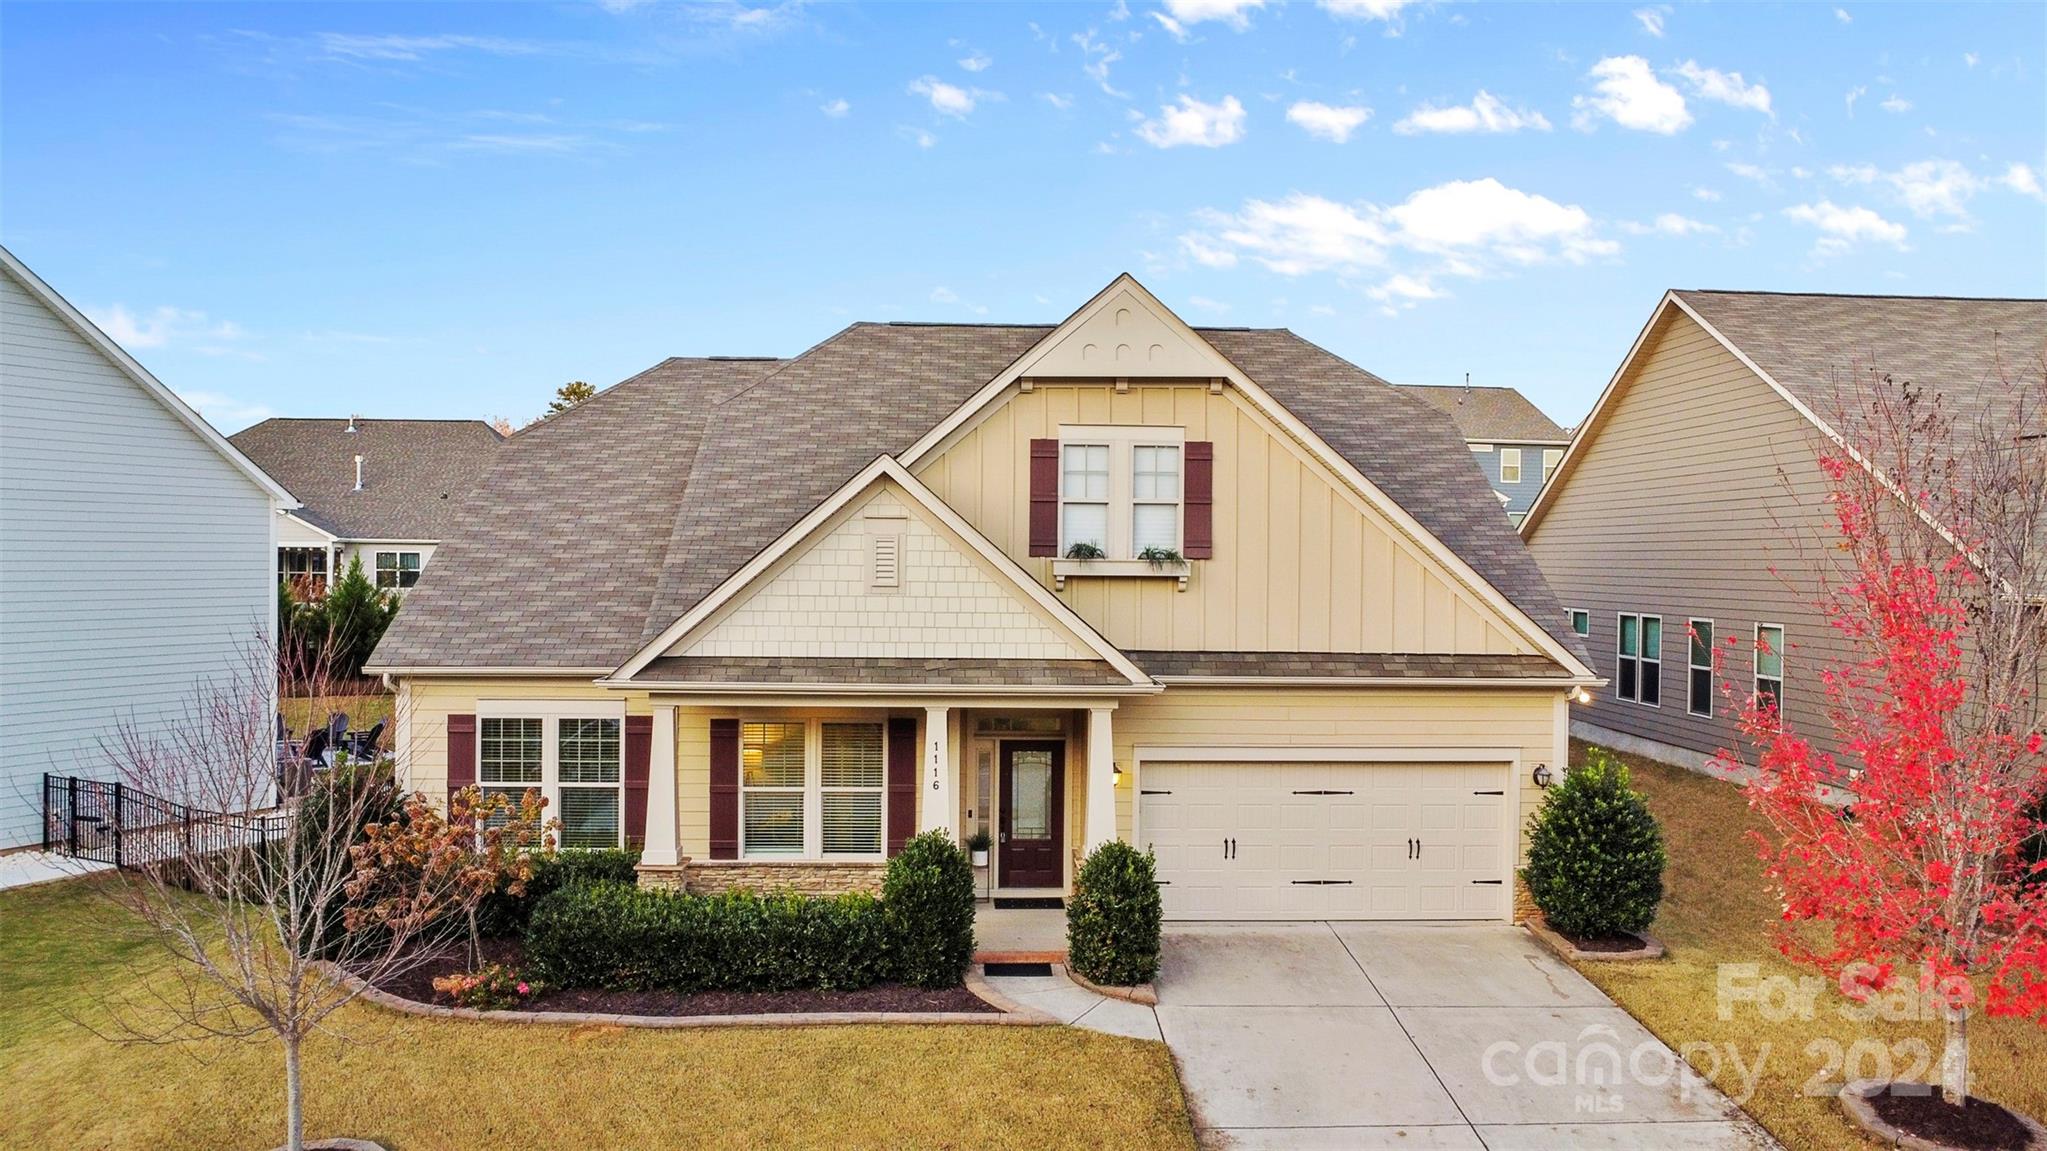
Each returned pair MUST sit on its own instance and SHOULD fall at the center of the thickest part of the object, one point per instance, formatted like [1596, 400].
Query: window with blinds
[587, 752]
[771, 788]
[510, 757]
[851, 775]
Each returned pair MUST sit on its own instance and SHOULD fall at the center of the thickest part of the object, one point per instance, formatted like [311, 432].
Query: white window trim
[1552, 458]
[1640, 657]
[1513, 454]
[1783, 666]
[1692, 705]
[813, 792]
[551, 713]
[1571, 615]
[1121, 439]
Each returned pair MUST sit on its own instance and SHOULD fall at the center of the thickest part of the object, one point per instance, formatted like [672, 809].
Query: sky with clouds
[428, 210]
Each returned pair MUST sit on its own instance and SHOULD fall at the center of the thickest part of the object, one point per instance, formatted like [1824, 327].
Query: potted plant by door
[977, 846]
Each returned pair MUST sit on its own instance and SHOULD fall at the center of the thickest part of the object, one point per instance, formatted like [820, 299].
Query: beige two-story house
[1687, 529]
[1217, 592]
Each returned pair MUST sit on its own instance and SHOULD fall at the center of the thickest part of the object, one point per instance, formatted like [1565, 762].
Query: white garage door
[1328, 840]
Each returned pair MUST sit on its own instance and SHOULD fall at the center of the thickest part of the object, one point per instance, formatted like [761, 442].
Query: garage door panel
[1327, 840]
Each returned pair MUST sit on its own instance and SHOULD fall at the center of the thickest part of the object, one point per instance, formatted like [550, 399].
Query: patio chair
[362, 745]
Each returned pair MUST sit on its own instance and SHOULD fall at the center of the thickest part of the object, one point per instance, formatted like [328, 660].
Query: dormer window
[1120, 491]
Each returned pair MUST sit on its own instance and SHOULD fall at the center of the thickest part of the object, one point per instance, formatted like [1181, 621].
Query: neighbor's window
[1699, 691]
[1581, 622]
[1770, 664]
[851, 777]
[1551, 457]
[1510, 465]
[574, 762]
[1638, 650]
[303, 568]
[397, 569]
[771, 775]
[1120, 490]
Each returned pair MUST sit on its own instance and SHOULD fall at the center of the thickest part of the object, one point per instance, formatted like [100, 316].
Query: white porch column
[939, 807]
[1101, 779]
[659, 850]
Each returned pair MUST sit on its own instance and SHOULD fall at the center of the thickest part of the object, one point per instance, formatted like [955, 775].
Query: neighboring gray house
[385, 492]
[1690, 508]
[1514, 444]
[135, 548]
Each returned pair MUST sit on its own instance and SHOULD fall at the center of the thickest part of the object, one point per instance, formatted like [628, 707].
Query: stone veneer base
[714, 876]
[1012, 1013]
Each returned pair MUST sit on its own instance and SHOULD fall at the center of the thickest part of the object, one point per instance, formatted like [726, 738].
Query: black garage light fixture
[1543, 777]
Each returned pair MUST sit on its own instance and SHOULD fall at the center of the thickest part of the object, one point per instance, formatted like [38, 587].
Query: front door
[1033, 819]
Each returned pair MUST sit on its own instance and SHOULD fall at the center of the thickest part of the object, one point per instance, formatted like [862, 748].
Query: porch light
[1543, 777]
[1584, 696]
[1115, 773]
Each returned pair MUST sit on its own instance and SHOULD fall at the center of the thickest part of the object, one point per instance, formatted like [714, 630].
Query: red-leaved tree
[1903, 858]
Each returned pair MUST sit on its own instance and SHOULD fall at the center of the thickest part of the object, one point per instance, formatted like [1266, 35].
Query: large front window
[573, 760]
[811, 788]
[1120, 492]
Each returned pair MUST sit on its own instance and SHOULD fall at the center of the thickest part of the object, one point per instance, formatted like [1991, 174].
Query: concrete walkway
[28, 868]
[1076, 1006]
[1410, 1035]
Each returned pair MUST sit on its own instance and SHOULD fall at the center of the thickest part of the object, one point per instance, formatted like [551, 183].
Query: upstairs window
[1770, 664]
[1510, 465]
[1121, 492]
[1551, 457]
[397, 569]
[1699, 691]
[1638, 658]
[1581, 622]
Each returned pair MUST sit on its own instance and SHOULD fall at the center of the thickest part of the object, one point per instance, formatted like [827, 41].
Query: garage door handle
[1322, 883]
[1490, 882]
[1488, 793]
[1324, 791]
[1152, 791]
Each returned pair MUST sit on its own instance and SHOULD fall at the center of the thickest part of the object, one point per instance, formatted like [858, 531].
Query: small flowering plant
[493, 987]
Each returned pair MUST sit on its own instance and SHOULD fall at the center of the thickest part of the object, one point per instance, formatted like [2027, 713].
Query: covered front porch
[813, 792]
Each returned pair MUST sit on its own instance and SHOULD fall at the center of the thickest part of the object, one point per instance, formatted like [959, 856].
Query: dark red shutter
[902, 782]
[639, 749]
[724, 789]
[1044, 497]
[1197, 534]
[461, 752]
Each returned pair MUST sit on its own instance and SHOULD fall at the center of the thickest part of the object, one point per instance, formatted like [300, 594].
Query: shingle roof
[1501, 414]
[1343, 665]
[416, 473]
[643, 500]
[1821, 347]
[883, 670]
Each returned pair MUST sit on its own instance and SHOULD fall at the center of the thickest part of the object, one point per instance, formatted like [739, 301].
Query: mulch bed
[1976, 1125]
[1603, 942]
[418, 985]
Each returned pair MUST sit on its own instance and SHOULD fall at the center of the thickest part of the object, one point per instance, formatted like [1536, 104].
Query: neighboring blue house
[1514, 444]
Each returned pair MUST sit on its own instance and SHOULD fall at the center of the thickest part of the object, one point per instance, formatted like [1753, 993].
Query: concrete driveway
[1412, 1035]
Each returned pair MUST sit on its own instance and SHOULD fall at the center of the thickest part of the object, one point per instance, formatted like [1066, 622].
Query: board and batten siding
[1700, 480]
[1301, 563]
[137, 563]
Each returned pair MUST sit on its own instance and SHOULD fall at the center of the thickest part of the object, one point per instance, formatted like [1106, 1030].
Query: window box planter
[1063, 570]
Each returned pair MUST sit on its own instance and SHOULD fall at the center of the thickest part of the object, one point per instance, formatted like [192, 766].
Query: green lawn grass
[439, 1085]
[1717, 909]
[364, 711]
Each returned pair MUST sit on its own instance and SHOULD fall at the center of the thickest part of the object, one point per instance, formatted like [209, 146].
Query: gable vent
[888, 561]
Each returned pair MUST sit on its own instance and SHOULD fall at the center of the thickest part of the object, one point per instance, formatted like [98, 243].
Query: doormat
[1017, 968]
[1017, 903]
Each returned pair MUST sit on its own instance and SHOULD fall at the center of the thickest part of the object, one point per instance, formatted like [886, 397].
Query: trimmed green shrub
[1112, 921]
[1595, 854]
[928, 898]
[502, 915]
[623, 938]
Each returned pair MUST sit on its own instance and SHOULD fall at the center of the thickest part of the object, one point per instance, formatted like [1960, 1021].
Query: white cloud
[945, 295]
[1706, 194]
[2022, 179]
[1327, 121]
[1854, 94]
[164, 327]
[1485, 113]
[836, 109]
[1630, 95]
[921, 137]
[946, 99]
[1930, 188]
[1651, 19]
[226, 412]
[392, 49]
[1464, 228]
[1896, 104]
[1208, 305]
[1751, 172]
[1842, 228]
[1058, 100]
[1195, 122]
[1096, 58]
[1235, 13]
[1842, 15]
[1668, 224]
[1970, 59]
[1387, 10]
[978, 62]
[1724, 87]
[1403, 291]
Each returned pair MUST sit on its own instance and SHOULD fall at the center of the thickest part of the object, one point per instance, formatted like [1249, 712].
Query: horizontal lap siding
[1340, 717]
[1699, 482]
[135, 560]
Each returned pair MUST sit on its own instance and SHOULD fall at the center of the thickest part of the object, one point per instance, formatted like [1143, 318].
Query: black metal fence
[110, 822]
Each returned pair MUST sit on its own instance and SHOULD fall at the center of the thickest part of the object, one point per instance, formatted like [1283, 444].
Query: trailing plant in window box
[1159, 557]
[1085, 551]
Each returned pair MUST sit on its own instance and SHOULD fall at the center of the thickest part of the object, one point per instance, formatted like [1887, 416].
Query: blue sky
[425, 210]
